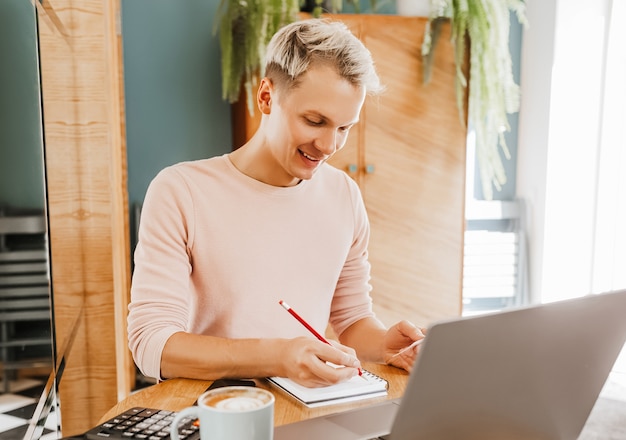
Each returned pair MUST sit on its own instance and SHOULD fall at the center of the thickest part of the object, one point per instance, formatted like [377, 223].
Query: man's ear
[264, 96]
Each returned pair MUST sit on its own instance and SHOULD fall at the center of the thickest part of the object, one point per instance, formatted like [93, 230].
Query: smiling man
[223, 240]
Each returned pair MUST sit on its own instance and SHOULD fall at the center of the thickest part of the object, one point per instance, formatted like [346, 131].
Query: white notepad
[362, 387]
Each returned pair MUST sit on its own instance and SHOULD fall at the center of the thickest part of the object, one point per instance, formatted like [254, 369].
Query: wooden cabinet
[408, 156]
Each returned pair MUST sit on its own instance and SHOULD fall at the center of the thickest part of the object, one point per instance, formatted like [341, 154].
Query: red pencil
[307, 325]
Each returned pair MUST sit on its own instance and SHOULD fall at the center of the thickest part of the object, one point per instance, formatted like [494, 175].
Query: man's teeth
[308, 157]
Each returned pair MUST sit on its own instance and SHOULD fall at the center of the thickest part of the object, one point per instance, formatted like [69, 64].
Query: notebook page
[358, 387]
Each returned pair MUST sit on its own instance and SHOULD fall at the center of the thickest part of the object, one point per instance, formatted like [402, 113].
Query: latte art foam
[239, 404]
[236, 399]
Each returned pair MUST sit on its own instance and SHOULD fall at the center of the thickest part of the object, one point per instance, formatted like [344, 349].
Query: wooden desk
[176, 394]
[607, 417]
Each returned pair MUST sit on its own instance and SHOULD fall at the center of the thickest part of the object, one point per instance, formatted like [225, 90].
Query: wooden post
[85, 155]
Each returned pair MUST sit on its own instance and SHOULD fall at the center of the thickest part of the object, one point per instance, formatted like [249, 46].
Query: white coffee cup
[231, 413]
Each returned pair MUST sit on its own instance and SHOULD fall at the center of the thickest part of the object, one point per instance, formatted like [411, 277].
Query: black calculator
[152, 424]
[144, 423]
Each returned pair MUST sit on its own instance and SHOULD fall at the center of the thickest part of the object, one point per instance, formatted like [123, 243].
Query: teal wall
[174, 109]
[21, 152]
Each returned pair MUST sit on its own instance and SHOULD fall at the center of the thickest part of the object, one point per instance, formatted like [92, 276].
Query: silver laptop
[528, 373]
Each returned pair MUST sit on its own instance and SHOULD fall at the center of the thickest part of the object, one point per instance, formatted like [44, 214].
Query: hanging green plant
[245, 28]
[493, 93]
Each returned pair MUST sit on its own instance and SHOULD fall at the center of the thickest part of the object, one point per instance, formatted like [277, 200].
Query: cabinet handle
[370, 168]
[352, 168]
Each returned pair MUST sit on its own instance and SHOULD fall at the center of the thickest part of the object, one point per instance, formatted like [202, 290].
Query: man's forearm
[207, 357]
[366, 336]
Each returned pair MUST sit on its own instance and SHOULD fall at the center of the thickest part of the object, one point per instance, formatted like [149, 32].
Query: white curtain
[609, 262]
[572, 148]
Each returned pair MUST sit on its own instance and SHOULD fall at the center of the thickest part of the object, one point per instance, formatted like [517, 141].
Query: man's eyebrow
[327, 119]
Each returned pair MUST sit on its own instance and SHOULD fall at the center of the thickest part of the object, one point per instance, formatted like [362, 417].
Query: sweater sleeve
[159, 293]
[352, 300]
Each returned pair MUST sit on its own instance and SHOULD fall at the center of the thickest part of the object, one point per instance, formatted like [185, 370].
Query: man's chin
[308, 175]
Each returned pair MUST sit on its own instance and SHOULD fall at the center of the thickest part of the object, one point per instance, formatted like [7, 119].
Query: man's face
[308, 124]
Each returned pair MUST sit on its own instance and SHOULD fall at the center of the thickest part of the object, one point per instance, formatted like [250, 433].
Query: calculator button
[104, 434]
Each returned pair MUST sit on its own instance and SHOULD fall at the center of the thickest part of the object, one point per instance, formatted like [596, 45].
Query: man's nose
[327, 143]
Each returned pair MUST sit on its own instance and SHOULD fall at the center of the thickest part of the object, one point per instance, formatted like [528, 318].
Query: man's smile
[309, 157]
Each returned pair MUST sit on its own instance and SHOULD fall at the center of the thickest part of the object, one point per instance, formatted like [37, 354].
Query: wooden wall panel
[87, 198]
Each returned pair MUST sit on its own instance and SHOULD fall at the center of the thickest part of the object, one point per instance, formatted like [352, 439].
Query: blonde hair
[299, 45]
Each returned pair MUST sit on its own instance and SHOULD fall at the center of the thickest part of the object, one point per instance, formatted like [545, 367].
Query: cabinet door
[413, 175]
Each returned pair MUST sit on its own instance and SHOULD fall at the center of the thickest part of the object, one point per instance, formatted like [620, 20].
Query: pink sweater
[217, 250]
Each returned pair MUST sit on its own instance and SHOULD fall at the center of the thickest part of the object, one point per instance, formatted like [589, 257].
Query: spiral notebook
[367, 386]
